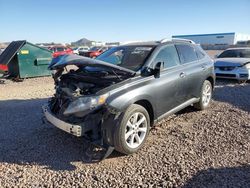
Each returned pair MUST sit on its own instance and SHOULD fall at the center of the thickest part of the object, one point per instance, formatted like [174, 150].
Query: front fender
[121, 102]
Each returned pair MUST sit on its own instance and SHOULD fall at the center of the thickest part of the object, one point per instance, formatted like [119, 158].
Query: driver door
[168, 87]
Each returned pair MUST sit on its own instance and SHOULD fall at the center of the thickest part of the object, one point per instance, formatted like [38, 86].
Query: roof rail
[129, 42]
[177, 40]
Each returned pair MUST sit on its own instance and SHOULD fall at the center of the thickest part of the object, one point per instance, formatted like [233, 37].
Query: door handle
[182, 74]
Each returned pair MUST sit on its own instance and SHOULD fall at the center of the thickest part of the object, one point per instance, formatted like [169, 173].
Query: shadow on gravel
[222, 177]
[232, 92]
[25, 139]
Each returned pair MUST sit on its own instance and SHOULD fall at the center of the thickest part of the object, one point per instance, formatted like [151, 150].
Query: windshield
[236, 53]
[130, 57]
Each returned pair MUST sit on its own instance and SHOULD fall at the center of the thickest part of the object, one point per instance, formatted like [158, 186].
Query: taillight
[3, 67]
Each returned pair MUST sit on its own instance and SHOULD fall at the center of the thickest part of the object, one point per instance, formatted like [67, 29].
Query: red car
[94, 54]
[60, 50]
[3, 68]
[94, 51]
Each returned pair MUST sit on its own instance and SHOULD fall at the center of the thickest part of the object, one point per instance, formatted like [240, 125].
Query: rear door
[192, 70]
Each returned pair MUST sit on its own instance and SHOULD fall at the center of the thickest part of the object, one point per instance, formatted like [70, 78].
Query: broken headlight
[85, 105]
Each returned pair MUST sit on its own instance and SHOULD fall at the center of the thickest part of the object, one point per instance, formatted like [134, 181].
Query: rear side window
[199, 52]
[187, 53]
[168, 55]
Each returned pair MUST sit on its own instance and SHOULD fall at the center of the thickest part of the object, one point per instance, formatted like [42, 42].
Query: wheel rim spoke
[129, 124]
[138, 139]
[131, 141]
[142, 129]
[141, 121]
[128, 134]
[135, 118]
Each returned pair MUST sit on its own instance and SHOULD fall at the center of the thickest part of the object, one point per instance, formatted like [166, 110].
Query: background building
[216, 38]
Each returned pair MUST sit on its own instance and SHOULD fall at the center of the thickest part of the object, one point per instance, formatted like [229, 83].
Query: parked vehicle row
[115, 99]
[60, 50]
[94, 51]
[82, 50]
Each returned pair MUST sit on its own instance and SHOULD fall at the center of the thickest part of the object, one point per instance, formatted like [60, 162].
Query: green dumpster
[25, 60]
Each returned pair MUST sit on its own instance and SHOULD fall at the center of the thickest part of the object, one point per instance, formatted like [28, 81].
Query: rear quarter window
[187, 53]
[199, 52]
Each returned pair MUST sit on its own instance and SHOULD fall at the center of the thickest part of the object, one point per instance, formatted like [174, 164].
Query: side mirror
[216, 56]
[147, 71]
[157, 69]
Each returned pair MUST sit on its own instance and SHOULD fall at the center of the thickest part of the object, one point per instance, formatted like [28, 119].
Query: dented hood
[80, 61]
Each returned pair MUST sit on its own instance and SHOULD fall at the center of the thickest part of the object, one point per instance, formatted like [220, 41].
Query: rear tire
[131, 133]
[205, 96]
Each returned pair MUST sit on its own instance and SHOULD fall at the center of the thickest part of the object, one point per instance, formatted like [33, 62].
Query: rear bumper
[75, 130]
[236, 74]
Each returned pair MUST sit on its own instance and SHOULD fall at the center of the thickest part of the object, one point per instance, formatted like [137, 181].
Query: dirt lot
[190, 149]
[213, 53]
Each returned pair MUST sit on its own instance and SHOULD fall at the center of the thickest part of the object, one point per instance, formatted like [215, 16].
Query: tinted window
[130, 57]
[94, 48]
[60, 49]
[244, 53]
[187, 53]
[199, 52]
[168, 55]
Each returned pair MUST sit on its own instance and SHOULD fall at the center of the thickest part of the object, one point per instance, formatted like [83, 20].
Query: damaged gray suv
[115, 99]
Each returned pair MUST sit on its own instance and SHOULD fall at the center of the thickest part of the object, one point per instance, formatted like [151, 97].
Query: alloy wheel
[136, 130]
[206, 94]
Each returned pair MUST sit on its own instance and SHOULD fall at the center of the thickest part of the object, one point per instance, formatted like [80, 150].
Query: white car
[233, 63]
[1, 50]
[80, 49]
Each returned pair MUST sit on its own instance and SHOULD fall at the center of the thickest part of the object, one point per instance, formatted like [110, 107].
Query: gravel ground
[190, 149]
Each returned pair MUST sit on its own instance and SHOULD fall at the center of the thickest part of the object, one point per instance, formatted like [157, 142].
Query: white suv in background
[80, 49]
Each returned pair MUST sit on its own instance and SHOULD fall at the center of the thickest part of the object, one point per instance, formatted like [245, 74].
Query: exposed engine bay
[83, 81]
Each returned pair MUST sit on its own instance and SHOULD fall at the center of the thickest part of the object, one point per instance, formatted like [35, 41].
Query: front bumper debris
[75, 130]
[95, 152]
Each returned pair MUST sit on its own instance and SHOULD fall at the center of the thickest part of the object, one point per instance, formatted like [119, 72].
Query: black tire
[201, 105]
[242, 81]
[120, 143]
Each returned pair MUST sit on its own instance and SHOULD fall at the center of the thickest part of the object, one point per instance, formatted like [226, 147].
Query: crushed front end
[79, 103]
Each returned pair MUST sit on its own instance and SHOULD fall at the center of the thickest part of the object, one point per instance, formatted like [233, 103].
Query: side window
[187, 53]
[60, 49]
[199, 52]
[169, 56]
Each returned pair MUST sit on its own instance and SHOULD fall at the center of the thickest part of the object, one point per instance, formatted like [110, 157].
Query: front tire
[205, 96]
[131, 133]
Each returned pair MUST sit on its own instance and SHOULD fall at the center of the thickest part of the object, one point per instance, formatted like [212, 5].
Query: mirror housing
[157, 69]
[147, 71]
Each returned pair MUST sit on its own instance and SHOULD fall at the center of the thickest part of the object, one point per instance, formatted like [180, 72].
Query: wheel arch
[211, 80]
[148, 106]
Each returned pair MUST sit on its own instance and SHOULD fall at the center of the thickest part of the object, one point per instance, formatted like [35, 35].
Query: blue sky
[120, 20]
